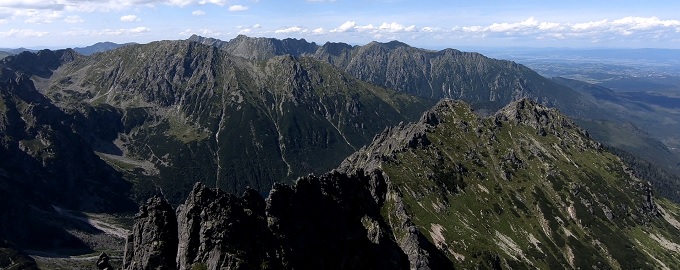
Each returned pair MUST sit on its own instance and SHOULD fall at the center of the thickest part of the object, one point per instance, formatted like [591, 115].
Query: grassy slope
[538, 201]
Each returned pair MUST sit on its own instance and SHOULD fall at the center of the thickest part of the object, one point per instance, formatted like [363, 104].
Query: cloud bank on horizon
[492, 23]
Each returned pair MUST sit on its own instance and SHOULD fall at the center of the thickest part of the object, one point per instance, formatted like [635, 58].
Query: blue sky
[429, 24]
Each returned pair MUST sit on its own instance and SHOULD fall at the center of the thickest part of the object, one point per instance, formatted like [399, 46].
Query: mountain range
[485, 84]
[101, 133]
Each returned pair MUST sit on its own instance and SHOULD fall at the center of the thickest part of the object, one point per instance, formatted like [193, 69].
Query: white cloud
[124, 31]
[140, 29]
[129, 18]
[588, 26]
[198, 13]
[42, 16]
[429, 29]
[319, 31]
[365, 28]
[97, 5]
[23, 33]
[216, 2]
[345, 27]
[351, 26]
[73, 19]
[396, 27]
[32, 4]
[641, 23]
[627, 28]
[288, 30]
[237, 8]
[505, 27]
[257, 25]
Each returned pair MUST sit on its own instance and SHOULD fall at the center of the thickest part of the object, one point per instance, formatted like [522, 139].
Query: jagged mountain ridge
[99, 47]
[487, 85]
[483, 82]
[527, 185]
[429, 196]
[179, 112]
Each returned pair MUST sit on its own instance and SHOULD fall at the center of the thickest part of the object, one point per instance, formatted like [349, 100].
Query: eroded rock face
[454, 189]
[222, 231]
[153, 241]
[327, 222]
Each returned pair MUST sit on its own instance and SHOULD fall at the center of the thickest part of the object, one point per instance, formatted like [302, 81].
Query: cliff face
[295, 227]
[153, 241]
[523, 188]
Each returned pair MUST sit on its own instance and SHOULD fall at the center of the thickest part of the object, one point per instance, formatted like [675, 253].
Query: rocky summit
[524, 188]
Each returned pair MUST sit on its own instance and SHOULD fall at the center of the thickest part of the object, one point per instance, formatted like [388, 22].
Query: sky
[428, 24]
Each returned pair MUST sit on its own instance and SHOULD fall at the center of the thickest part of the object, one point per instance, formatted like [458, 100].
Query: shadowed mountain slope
[177, 112]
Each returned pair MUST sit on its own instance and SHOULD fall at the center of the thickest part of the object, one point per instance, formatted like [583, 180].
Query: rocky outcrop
[453, 190]
[41, 63]
[103, 262]
[336, 219]
[259, 49]
[327, 222]
[222, 231]
[153, 242]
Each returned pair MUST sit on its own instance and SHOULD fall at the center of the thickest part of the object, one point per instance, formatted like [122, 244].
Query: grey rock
[152, 244]
[103, 262]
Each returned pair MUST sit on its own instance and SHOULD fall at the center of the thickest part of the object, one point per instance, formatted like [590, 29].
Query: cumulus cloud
[395, 27]
[129, 18]
[505, 27]
[589, 26]
[319, 31]
[630, 27]
[198, 13]
[345, 27]
[42, 16]
[237, 8]
[351, 26]
[294, 29]
[140, 29]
